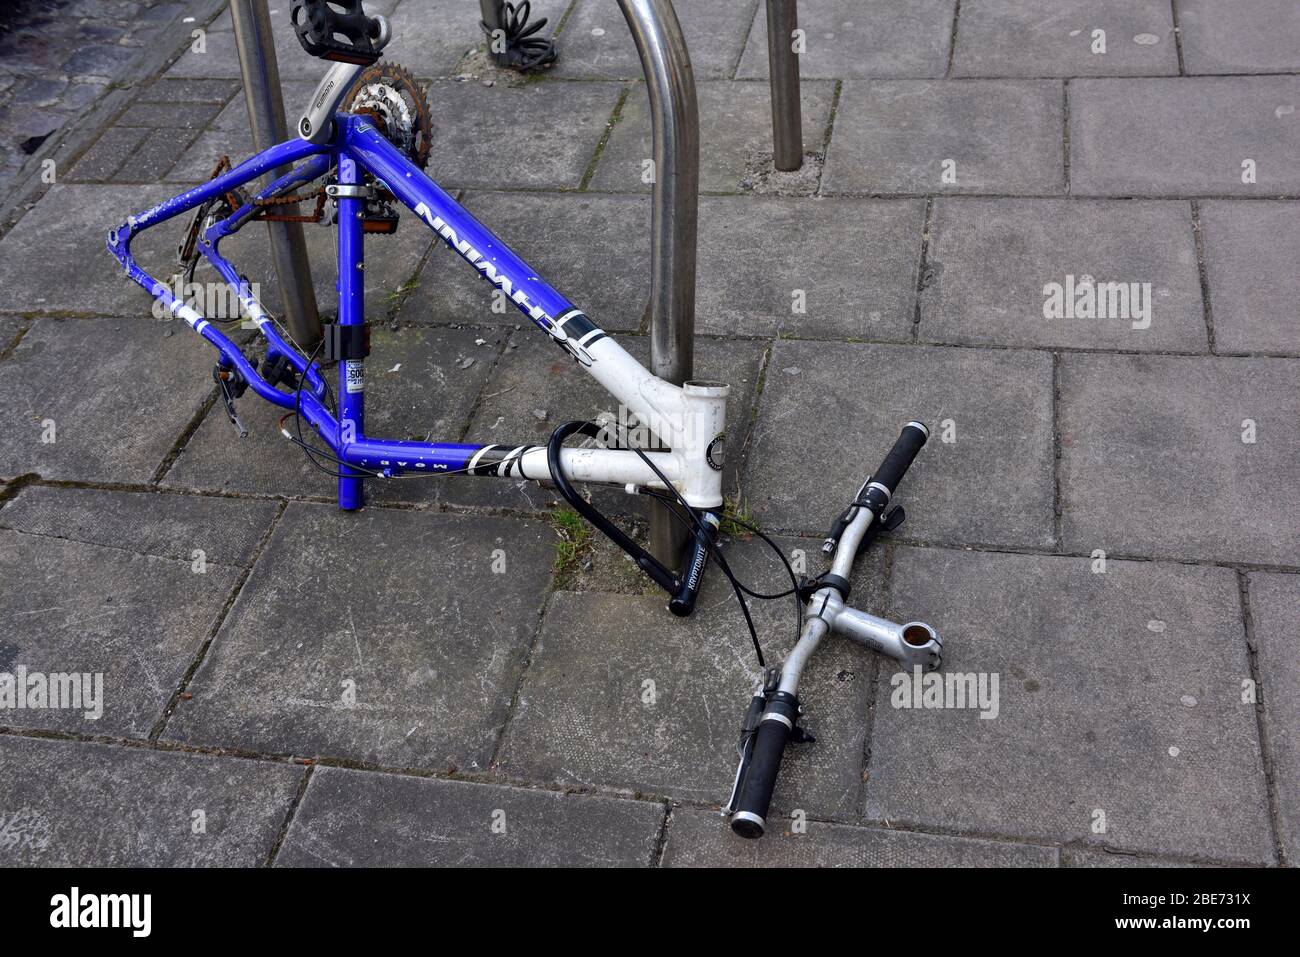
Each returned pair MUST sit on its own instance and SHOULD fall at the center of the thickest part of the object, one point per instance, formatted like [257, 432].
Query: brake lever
[745, 746]
[887, 523]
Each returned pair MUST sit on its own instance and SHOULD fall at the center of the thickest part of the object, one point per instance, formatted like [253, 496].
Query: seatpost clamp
[346, 342]
[349, 191]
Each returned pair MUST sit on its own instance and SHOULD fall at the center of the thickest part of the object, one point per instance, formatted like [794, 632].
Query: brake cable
[691, 519]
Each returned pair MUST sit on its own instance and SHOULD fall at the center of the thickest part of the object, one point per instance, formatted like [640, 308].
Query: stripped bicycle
[366, 137]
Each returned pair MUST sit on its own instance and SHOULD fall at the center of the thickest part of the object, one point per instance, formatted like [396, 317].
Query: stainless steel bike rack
[491, 10]
[675, 126]
[783, 70]
[261, 74]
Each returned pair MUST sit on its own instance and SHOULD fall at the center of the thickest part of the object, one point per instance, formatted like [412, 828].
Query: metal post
[492, 10]
[675, 127]
[783, 69]
[257, 64]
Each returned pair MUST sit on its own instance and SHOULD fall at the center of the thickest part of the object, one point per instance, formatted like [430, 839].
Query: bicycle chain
[235, 200]
[394, 76]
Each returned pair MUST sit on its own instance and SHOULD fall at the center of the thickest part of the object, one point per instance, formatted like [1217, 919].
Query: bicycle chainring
[390, 95]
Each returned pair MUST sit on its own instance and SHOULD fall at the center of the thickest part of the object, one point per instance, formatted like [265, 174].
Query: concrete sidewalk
[1107, 517]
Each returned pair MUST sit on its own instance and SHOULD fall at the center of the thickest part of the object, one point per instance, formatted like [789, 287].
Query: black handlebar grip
[694, 560]
[749, 819]
[900, 457]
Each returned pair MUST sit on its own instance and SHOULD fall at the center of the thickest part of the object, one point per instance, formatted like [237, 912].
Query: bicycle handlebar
[880, 486]
[763, 740]
[757, 778]
[899, 458]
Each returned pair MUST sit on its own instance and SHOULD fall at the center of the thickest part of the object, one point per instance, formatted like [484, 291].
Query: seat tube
[352, 300]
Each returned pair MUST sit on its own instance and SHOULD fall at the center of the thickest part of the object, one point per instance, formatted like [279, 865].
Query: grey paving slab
[1043, 38]
[1001, 267]
[536, 136]
[735, 135]
[55, 259]
[862, 38]
[10, 326]
[416, 388]
[536, 388]
[754, 253]
[702, 839]
[1119, 695]
[219, 58]
[1160, 438]
[108, 154]
[191, 160]
[597, 42]
[830, 411]
[158, 152]
[228, 133]
[70, 804]
[982, 136]
[359, 819]
[1249, 254]
[414, 667]
[170, 116]
[233, 114]
[169, 90]
[595, 249]
[56, 62]
[1248, 36]
[762, 258]
[85, 610]
[225, 530]
[698, 671]
[1080, 857]
[1123, 142]
[1275, 609]
[660, 704]
[200, 157]
[65, 414]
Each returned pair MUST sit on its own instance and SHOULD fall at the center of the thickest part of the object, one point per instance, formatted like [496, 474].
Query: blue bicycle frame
[688, 420]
